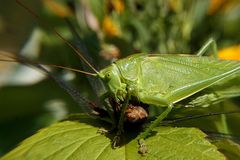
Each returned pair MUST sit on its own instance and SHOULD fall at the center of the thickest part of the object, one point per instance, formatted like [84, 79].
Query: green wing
[175, 77]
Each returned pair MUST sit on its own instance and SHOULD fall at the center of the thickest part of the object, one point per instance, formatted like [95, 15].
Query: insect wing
[176, 77]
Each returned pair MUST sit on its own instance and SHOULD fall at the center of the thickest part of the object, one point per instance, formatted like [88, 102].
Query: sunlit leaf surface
[81, 140]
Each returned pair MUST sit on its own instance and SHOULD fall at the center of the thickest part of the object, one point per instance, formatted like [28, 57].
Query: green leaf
[229, 148]
[80, 140]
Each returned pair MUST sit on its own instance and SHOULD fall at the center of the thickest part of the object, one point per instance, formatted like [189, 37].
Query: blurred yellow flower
[109, 27]
[215, 5]
[57, 8]
[230, 53]
[118, 5]
[175, 5]
[221, 5]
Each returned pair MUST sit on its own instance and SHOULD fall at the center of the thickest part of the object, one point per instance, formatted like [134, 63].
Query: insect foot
[116, 141]
[122, 93]
[102, 131]
[142, 147]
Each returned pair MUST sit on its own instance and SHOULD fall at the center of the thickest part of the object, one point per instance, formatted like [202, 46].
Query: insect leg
[155, 123]
[109, 112]
[116, 139]
[210, 43]
[108, 108]
[222, 124]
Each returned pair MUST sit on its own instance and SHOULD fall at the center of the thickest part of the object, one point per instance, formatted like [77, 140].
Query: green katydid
[158, 79]
[131, 78]
[164, 80]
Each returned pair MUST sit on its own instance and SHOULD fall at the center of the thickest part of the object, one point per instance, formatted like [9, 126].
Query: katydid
[157, 79]
[153, 79]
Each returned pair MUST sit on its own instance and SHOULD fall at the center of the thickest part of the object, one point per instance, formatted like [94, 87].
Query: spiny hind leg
[147, 132]
[211, 43]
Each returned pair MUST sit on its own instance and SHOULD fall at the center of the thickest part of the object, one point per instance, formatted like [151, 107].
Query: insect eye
[108, 76]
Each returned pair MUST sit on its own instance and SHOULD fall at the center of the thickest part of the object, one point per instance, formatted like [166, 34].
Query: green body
[164, 79]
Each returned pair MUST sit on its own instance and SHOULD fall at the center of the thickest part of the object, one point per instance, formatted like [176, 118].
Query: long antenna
[15, 59]
[70, 69]
[58, 35]
[222, 135]
[181, 119]
[94, 110]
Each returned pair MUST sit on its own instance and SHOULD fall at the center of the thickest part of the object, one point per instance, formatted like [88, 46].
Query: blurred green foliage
[109, 29]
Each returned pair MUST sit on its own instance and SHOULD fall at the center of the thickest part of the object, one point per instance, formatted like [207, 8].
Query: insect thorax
[126, 76]
[143, 81]
[113, 81]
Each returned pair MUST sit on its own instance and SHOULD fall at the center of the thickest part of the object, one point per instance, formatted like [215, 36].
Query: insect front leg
[107, 106]
[147, 132]
[116, 139]
[211, 43]
[110, 113]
